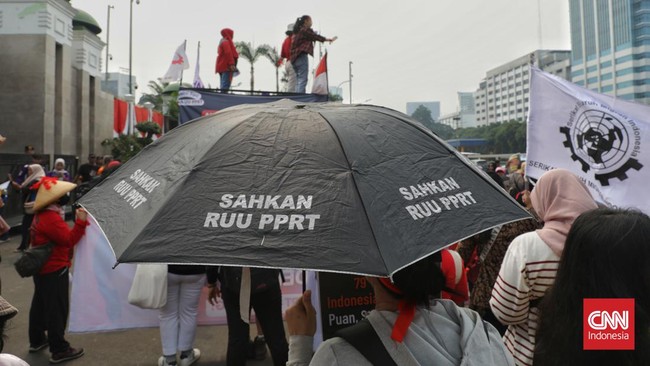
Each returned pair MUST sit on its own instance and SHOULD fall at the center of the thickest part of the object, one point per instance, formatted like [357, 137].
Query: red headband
[45, 181]
[406, 312]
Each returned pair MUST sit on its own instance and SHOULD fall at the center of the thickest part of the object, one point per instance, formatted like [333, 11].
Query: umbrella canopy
[327, 187]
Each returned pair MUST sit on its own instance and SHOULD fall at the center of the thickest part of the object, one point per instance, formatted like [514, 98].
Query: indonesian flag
[320, 78]
[198, 83]
[603, 140]
[179, 63]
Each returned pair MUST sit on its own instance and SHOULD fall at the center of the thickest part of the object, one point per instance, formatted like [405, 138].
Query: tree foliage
[335, 97]
[443, 131]
[272, 55]
[156, 96]
[501, 138]
[251, 54]
[423, 115]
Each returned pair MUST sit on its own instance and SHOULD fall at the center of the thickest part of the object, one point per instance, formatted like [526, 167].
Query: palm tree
[155, 97]
[251, 54]
[273, 56]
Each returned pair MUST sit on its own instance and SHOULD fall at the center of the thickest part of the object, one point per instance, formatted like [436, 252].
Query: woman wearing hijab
[59, 171]
[411, 325]
[34, 174]
[226, 59]
[51, 303]
[606, 256]
[531, 261]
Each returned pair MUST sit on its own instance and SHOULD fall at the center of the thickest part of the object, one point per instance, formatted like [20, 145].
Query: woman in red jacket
[51, 304]
[226, 59]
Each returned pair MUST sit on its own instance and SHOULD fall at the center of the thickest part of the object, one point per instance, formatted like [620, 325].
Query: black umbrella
[327, 187]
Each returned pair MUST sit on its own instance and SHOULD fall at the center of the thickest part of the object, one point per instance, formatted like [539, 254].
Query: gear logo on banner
[602, 140]
[190, 98]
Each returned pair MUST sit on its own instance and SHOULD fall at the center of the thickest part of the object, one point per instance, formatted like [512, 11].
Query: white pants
[178, 316]
[291, 77]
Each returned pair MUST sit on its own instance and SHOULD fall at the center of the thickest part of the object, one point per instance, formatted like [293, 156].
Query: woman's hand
[301, 317]
[215, 292]
[81, 214]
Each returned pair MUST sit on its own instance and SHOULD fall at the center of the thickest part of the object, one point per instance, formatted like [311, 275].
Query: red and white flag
[320, 78]
[179, 63]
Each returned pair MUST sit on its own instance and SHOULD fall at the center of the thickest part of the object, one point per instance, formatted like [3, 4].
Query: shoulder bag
[149, 287]
[33, 259]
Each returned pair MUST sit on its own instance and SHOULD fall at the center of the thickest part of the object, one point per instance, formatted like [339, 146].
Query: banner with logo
[178, 64]
[605, 141]
[197, 103]
[98, 300]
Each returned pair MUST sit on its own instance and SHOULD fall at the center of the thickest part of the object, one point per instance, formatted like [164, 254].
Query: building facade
[117, 83]
[610, 47]
[503, 94]
[50, 64]
[434, 107]
[465, 116]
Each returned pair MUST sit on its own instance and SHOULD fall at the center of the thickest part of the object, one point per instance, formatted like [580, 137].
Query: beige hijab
[559, 198]
[37, 173]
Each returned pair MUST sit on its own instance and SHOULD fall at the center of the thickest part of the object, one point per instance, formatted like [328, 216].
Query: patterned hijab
[558, 199]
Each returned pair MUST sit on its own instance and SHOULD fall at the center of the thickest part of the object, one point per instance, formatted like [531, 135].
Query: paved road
[130, 347]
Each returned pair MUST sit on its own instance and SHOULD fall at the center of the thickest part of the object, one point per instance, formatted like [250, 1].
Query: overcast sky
[402, 51]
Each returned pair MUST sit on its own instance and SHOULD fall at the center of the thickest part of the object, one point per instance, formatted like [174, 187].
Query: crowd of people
[43, 196]
[528, 280]
[511, 295]
[296, 49]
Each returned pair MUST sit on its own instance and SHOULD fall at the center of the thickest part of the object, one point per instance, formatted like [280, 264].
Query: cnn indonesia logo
[608, 324]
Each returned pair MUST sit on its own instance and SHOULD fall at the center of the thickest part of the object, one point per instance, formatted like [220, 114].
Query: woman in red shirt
[51, 304]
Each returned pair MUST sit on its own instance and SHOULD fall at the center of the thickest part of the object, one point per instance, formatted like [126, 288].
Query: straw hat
[50, 190]
[6, 309]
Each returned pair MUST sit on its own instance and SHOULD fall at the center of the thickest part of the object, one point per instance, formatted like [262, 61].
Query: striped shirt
[528, 270]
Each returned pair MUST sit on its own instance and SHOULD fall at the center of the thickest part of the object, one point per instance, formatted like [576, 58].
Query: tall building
[434, 107]
[503, 94]
[51, 62]
[610, 47]
[465, 116]
[117, 83]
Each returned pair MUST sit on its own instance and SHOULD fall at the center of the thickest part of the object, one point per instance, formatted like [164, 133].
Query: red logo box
[608, 324]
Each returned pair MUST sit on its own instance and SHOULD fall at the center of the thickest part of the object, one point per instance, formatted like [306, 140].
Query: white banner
[99, 293]
[179, 63]
[603, 140]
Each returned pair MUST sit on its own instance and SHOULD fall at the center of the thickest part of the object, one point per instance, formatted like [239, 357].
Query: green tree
[423, 115]
[272, 55]
[335, 98]
[251, 54]
[125, 147]
[506, 137]
[156, 96]
[149, 128]
[443, 131]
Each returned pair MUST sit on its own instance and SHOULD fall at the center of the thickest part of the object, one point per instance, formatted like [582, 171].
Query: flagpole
[197, 83]
[185, 51]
